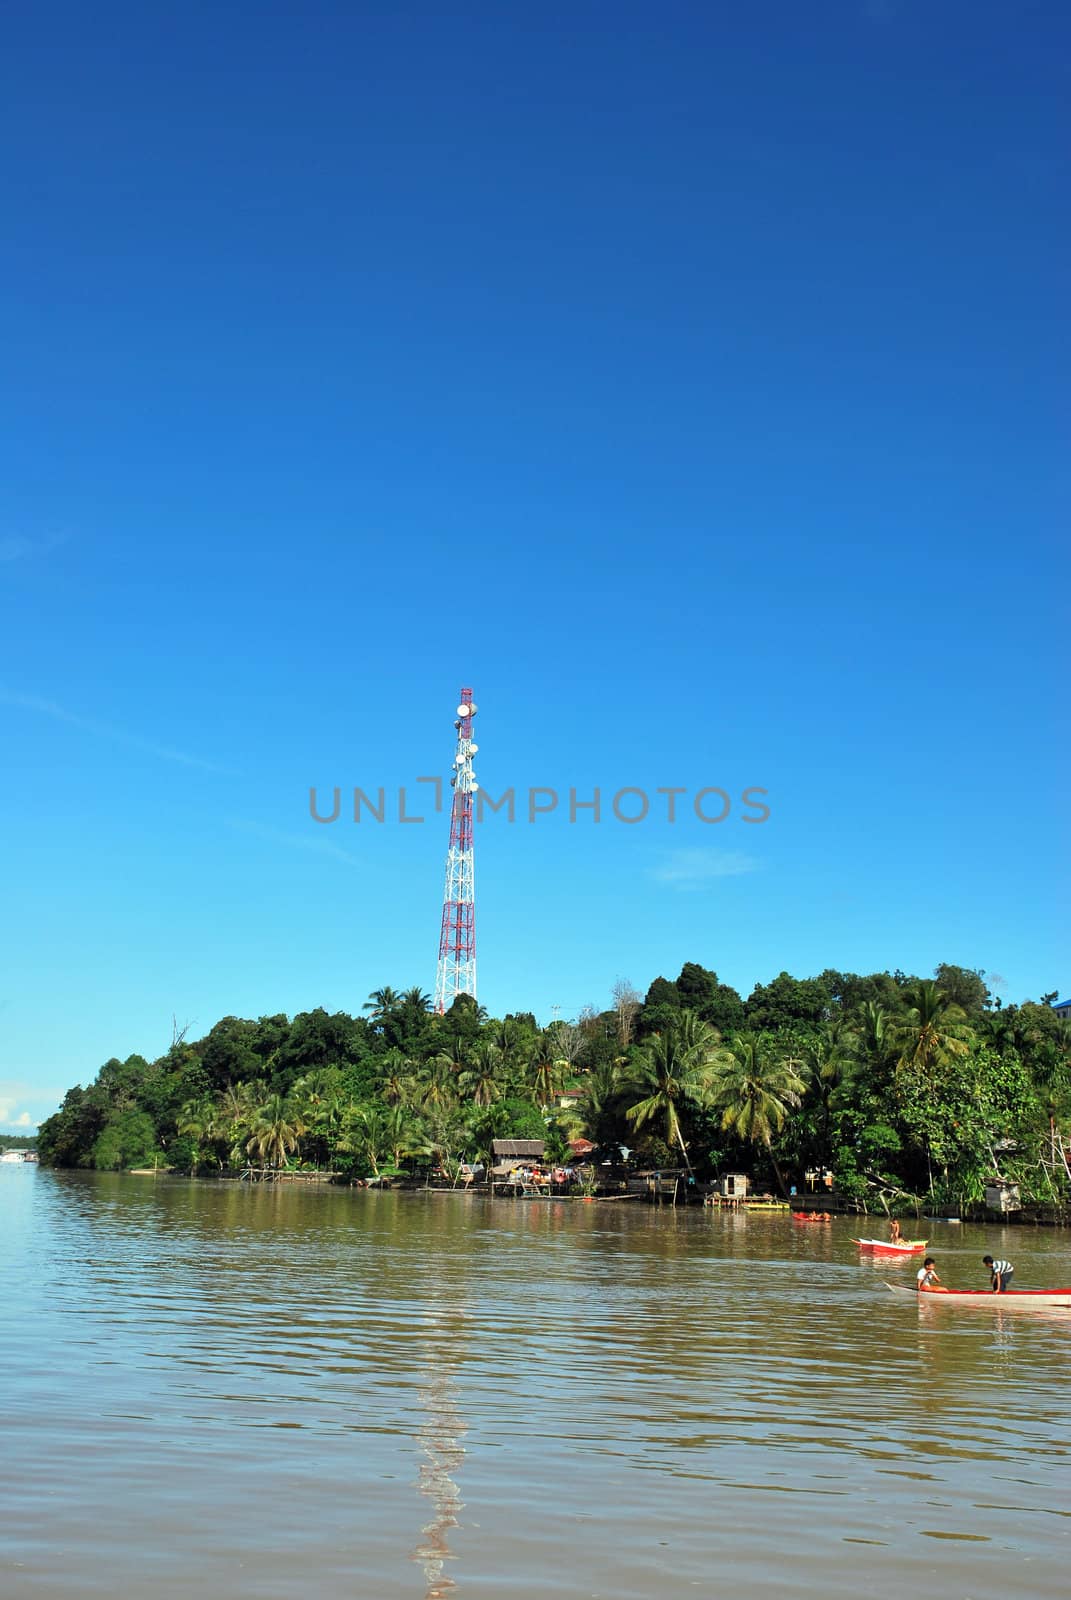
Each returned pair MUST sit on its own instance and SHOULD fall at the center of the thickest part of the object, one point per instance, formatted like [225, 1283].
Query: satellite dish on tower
[465, 711]
[473, 748]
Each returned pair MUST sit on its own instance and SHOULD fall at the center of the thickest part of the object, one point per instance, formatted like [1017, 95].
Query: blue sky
[689, 380]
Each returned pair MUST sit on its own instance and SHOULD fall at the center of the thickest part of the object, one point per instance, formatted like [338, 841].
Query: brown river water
[282, 1392]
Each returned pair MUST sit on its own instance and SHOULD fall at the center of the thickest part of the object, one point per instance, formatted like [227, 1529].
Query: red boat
[812, 1216]
[883, 1247]
[1017, 1299]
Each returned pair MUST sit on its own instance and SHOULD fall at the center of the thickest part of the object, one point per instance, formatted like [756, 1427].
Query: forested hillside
[896, 1084]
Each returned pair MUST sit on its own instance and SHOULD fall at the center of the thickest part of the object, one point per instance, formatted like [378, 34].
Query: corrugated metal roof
[517, 1147]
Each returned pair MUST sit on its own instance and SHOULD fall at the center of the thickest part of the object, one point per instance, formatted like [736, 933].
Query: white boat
[1016, 1299]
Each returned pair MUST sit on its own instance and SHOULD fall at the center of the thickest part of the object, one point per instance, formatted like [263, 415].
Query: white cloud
[24, 1105]
[103, 730]
[692, 869]
[9, 1118]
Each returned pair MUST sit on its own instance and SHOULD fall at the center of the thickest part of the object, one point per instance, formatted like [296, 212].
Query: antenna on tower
[456, 972]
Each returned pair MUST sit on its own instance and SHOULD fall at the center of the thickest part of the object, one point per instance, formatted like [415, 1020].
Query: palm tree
[438, 1084]
[199, 1121]
[830, 1058]
[506, 1036]
[546, 1075]
[753, 1087]
[276, 1131]
[481, 1081]
[874, 1027]
[383, 1004]
[365, 1133]
[456, 1054]
[407, 1022]
[604, 1086]
[406, 1135]
[395, 1077]
[321, 1108]
[673, 1068]
[238, 1111]
[934, 1031]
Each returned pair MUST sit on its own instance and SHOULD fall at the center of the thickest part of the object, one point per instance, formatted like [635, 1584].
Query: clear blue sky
[690, 380]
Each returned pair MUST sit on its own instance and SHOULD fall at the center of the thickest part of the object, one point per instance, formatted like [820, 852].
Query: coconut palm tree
[384, 1005]
[604, 1085]
[365, 1134]
[874, 1028]
[395, 1077]
[437, 1084]
[753, 1086]
[238, 1110]
[508, 1037]
[276, 1132]
[830, 1059]
[199, 1121]
[322, 1108]
[546, 1074]
[672, 1070]
[406, 1135]
[934, 1031]
[481, 1082]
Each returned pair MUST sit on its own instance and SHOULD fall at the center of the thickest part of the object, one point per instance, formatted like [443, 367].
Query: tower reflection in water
[439, 1437]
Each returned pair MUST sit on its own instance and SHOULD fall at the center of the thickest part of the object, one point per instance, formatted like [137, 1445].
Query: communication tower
[456, 972]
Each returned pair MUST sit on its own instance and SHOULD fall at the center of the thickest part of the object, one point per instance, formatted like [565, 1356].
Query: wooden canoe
[812, 1216]
[906, 1247]
[1020, 1299]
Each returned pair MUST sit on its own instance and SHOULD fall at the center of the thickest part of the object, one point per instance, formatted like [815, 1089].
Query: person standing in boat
[927, 1276]
[895, 1236]
[999, 1274]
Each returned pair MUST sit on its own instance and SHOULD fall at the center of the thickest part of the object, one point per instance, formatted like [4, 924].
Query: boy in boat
[999, 1273]
[927, 1278]
[895, 1236]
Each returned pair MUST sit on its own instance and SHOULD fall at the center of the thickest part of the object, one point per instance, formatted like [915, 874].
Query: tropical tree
[406, 1135]
[437, 1084]
[481, 1082]
[199, 1121]
[239, 1108]
[384, 1004]
[395, 1077]
[276, 1132]
[322, 1108]
[366, 1135]
[933, 1032]
[564, 1041]
[671, 1071]
[830, 1060]
[874, 1029]
[546, 1073]
[753, 1086]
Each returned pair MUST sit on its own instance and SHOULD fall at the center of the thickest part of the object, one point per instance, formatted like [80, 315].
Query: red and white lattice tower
[456, 973]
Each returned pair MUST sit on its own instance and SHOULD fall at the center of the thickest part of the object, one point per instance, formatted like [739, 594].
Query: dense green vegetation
[898, 1085]
[18, 1141]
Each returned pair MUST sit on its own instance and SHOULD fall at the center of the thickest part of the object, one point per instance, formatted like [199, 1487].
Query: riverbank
[638, 1188]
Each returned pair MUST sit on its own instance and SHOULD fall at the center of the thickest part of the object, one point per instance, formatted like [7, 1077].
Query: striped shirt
[1000, 1268]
